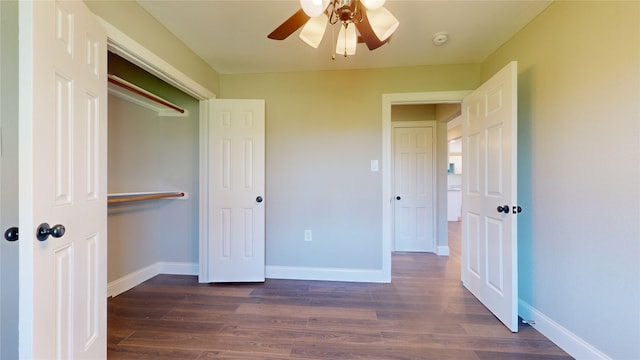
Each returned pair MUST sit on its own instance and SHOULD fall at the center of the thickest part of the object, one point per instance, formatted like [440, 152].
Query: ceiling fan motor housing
[346, 10]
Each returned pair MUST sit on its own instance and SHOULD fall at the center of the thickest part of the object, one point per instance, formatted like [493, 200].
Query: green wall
[9, 178]
[322, 131]
[579, 169]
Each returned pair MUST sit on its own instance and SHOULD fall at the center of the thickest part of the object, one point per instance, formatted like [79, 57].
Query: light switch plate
[374, 165]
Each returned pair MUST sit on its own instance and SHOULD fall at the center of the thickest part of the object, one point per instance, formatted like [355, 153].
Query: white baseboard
[442, 250]
[135, 278]
[325, 274]
[178, 268]
[565, 339]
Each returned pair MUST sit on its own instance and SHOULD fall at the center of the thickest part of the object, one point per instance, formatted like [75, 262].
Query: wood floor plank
[137, 353]
[231, 355]
[346, 351]
[206, 342]
[417, 326]
[361, 336]
[494, 355]
[307, 311]
[186, 326]
[443, 341]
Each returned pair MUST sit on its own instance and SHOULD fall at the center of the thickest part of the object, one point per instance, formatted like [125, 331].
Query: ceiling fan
[374, 23]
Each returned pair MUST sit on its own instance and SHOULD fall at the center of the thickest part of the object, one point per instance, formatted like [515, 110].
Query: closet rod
[115, 80]
[143, 197]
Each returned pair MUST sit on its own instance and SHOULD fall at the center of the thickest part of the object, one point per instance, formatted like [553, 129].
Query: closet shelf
[140, 196]
[137, 95]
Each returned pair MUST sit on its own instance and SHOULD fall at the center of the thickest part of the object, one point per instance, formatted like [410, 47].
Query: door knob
[43, 231]
[503, 209]
[398, 198]
[259, 199]
[11, 234]
[517, 209]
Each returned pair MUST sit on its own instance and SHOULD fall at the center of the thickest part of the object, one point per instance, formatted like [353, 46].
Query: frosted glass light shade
[313, 30]
[373, 4]
[314, 8]
[347, 40]
[382, 22]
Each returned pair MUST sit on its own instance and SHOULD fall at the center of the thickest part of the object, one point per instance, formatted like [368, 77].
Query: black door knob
[43, 231]
[11, 234]
[259, 199]
[517, 209]
[398, 198]
[503, 209]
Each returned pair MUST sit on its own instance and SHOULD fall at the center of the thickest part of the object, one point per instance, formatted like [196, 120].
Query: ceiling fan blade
[367, 34]
[290, 26]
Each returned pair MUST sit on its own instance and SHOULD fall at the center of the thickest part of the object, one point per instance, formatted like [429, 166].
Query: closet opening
[153, 178]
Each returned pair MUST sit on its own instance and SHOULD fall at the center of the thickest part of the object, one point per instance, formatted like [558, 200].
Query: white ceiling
[231, 35]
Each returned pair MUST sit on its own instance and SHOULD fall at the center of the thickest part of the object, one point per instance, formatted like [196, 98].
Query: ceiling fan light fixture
[366, 20]
[347, 40]
[373, 4]
[382, 22]
[313, 32]
[314, 8]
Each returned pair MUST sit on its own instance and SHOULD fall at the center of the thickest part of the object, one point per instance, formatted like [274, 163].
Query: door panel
[414, 183]
[236, 207]
[489, 237]
[63, 162]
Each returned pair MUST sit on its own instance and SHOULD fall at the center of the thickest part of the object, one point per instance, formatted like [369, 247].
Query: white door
[414, 170]
[63, 147]
[237, 191]
[489, 204]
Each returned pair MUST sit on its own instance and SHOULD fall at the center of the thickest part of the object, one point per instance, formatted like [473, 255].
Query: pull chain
[333, 41]
[345, 39]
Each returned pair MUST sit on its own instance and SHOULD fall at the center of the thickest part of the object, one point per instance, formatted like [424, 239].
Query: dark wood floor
[425, 313]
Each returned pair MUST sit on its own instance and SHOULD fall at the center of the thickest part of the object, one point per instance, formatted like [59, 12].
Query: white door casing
[62, 156]
[2, 225]
[236, 208]
[414, 183]
[489, 237]
[386, 197]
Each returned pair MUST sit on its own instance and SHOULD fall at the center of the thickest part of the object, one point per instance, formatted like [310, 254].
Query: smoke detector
[440, 38]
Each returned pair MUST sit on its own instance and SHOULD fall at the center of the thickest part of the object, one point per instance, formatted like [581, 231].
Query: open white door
[489, 199]
[236, 188]
[62, 151]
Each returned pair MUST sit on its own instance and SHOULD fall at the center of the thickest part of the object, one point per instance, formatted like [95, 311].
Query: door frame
[415, 124]
[388, 100]
[121, 44]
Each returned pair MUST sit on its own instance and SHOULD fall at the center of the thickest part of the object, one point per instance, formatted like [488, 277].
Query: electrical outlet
[307, 235]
